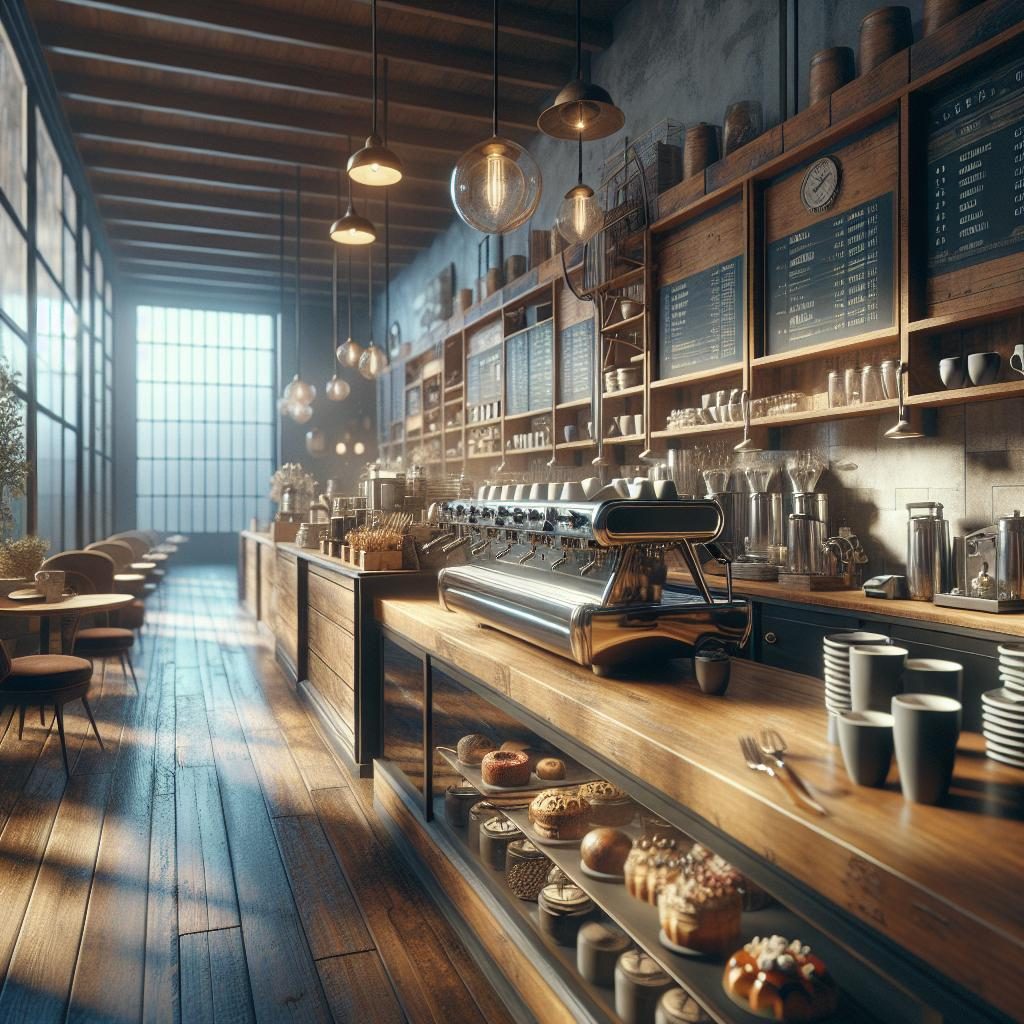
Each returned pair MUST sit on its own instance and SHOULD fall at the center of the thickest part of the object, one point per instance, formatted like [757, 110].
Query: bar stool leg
[42, 721]
[131, 668]
[63, 745]
[88, 711]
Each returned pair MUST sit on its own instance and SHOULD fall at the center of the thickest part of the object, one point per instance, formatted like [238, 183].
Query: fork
[756, 762]
[773, 745]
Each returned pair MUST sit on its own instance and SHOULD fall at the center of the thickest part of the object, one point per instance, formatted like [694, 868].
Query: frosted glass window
[49, 197]
[13, 127]
[13, 271]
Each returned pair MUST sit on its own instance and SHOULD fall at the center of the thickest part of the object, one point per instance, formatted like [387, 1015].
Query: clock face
[820, 186]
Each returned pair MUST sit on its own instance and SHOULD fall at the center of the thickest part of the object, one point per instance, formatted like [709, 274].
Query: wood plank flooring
[214, 862]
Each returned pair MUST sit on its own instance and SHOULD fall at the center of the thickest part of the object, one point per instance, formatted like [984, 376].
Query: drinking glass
[871, 384]
[836, 390]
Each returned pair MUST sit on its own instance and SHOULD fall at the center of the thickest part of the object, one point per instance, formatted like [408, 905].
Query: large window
[206, 418]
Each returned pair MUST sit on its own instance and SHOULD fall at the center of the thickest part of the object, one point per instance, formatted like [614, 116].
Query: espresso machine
[581, 572]
[382, 489]
[989, 568]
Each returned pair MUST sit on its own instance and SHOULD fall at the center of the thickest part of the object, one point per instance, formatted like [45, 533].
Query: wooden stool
[48, 679]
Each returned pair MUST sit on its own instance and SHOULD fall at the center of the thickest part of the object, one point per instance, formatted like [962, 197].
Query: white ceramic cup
[876, 676]
[925, 732]
[50, 583]
[934, 675]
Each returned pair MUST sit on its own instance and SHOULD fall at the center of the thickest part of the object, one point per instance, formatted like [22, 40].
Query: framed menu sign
[517, 374]
[541, 338]
[832, 279]
[975, 170]
[576, 361]
[700, 321]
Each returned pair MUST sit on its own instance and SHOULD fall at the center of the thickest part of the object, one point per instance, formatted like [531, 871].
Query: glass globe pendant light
[351, 228]
[374, 360]
[374, 164]
[316, 441]
[579, 216]
[350, 351]
[300, 392]
[581, 108]
[496, 184]
[337, 388]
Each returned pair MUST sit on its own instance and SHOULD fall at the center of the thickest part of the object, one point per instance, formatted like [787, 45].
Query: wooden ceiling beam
[340, 35]
[85, 90]
[121, 157]
[122, 189]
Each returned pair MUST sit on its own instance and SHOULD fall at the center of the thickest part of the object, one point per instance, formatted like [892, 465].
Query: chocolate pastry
[471, 748]
[605, 850]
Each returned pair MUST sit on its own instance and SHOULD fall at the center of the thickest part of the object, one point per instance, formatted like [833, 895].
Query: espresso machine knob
[534, 514]
[518, 515]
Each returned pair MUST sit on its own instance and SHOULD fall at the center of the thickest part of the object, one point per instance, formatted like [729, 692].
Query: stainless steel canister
[1010, 556]
[764, 522]
[928, 559]
[805, 538]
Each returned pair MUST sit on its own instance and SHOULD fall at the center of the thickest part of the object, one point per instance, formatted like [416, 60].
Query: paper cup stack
[837, 666]
[1002, 710]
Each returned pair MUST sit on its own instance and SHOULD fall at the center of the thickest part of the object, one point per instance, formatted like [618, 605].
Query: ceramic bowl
[983, 367]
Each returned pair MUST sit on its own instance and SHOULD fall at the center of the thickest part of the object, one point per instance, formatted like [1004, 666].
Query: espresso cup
[1017, 359]
[866, 742]
[50, 583]
[876, 676]
[983, 367]
[933, 675]
[712, 671]
[953, 372]
[571, 433]
[925, 731]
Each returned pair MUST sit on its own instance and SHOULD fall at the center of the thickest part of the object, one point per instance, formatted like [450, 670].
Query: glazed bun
[550, 769]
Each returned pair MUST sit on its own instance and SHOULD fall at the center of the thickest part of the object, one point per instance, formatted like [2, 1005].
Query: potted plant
[19, 559]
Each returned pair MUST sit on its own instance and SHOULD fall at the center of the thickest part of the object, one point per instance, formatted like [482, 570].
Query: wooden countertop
[260, 538]
[337, 565]
[944, 882]
[855, 602]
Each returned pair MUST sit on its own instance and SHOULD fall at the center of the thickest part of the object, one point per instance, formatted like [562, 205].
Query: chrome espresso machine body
[584, 577]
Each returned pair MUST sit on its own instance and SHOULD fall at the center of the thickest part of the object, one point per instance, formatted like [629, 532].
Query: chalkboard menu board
[413, 402]
[700, 324]
[397, 383]
[541, 354]
[528, 369]
[833, 279]
[976, 171]
[576, 361]
[483, 377]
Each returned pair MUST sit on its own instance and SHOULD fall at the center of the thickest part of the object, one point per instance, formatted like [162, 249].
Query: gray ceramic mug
[925, 731]
[865, 739]
[934, 675]
[876, 676]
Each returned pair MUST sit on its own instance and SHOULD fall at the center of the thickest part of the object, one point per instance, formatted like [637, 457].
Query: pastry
[605, 850]
[781, 979]
[561, 910]
[559, 814]
[523, 747]
[639, 985]
[526, 869]
[471, 748]
[598, 948]
[505, 768]
[754, 897]
[609, 805]
[653, 862]
[480, 812]
[550, 769]
[700, 915]
[677, 1006]
[495, 835]
[457, 802]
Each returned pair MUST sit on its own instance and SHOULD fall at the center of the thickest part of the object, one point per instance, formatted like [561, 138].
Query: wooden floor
[214, 862]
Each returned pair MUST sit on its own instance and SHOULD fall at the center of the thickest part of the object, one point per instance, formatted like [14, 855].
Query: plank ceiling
[191, 116]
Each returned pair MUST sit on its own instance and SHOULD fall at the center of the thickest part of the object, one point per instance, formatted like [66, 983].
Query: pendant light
[580, 216]
[581, 108]
[374, 164]
[337, 388]
[351, 351]
[374, 360]
[902, 431]
[351, 228]
[316, 442]
[300, 392]
[496, 184]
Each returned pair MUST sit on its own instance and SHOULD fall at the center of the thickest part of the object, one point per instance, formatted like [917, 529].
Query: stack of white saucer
[1002, 710]
[837, 666]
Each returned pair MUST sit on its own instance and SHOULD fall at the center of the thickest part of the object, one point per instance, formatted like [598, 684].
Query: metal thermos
[764, 522]
[811, 503]
[805, 539]
[928, 558]
[734, 513]
[1010, 556]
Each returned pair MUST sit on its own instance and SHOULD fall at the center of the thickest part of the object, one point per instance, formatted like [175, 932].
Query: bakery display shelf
[575, 775]
[600, 1000]
[701, 976]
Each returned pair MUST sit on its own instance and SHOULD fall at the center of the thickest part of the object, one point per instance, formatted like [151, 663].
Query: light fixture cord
[349, 176]
[280, 278]
[579, 39]
[369, 289]
[494, 84]
[298, 261]
[373, 47]
[579, 165]
[334, 267]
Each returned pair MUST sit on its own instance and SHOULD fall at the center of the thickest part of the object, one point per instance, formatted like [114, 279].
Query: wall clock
[820, 187]
[394, 340]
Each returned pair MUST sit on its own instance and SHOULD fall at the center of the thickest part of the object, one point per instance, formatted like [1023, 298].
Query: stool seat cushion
[97, 639]
[132, 617]
[45, 672]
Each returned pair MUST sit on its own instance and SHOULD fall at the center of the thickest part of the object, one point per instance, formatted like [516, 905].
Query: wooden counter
[943, 882]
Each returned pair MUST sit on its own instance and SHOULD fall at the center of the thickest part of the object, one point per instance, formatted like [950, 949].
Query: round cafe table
[76, 605]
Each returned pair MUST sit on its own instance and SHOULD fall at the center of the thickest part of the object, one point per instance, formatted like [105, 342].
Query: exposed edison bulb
[496, 186]
[289, 390]
[580, 216]
[373, 362]
[337, 389]
[316, 443]
[301, 413]
[359, 448]
[300, 391]
[284, 407]
[340, 448]
[349, 353]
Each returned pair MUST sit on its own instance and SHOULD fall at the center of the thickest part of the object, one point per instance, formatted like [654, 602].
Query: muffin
[550, 769]
[605, 850]
[701, 916]
[609, 805]
[560, 814]
[782, 980]
[505, 768]
[652, 863]
[523, 747]
[471, 748]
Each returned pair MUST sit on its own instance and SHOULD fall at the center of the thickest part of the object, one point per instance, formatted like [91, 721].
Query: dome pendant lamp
[579, 216]
[581, 108]
[374, 164]
[496, 184]
[373, 363]
[351, 228]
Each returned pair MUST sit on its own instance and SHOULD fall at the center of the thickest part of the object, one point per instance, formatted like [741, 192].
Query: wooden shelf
[871, 339]
[699, 429]
[622, 324]
[843, 412]
[484, 423]
[564, 446]
[984, 393]
[636, 389]
[453, 430]
[626, 439]
[576, 403]
[967, 318]
[484, 455]
[528, 451]
[452, 401]
[626, 277]
[453, 388]
[545, 411]
[696, 376]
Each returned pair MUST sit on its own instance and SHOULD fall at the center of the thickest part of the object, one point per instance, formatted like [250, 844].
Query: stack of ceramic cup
[1002, 715]
[837, 667]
